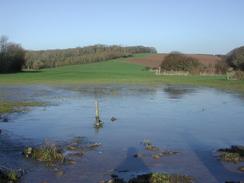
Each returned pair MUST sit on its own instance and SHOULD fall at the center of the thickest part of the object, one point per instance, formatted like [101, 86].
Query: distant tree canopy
[89, 54]
[176, 61]
[236, 58]
[12, 56]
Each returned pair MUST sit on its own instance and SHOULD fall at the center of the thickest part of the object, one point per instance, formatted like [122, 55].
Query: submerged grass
[233, 154]
[230, 157]
[241, 169]
[48, 153]
[154, 178]
[161, 177]
[157, 152]
[52, 154]
[9, 176]
[16, 106]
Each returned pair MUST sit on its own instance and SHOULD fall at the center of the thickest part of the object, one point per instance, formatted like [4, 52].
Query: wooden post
[97, 111]
[98, 121]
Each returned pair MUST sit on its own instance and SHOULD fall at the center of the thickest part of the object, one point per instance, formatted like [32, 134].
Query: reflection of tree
[116, 90]
[240, 96]
[176, 92]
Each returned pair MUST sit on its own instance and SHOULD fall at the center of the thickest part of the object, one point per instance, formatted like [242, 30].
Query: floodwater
[192, 121]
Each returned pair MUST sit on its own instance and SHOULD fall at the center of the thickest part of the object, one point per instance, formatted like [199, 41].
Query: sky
[189, 26]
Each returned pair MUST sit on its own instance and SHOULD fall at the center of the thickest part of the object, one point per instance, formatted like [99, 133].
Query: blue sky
[192, 26]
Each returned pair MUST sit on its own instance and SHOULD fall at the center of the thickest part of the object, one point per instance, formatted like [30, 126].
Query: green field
[110, 72]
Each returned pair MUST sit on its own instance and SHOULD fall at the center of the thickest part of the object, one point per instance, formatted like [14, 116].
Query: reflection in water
[113, 90]
[176, 92]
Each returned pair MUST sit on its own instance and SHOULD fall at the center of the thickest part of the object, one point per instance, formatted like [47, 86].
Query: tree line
[13, 58]
[90, 54]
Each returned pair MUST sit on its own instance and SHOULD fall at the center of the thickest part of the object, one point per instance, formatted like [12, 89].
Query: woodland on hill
[90, 54]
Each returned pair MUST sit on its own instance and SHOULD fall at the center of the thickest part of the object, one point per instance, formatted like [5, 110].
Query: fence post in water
[98, 121]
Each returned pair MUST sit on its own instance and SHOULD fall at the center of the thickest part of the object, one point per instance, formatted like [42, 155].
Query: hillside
[116, 70]
[111, 72]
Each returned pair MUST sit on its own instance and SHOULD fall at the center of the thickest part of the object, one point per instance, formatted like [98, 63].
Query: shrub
[221, 67]
[180, 62]
[239, 75]
[236, 58]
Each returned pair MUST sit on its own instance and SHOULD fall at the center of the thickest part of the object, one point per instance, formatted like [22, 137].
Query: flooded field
[194, 122]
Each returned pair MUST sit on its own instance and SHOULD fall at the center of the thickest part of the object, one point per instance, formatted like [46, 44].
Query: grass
[233, 154]
[47, 153]
[209, 81]
[241, 168]
[230, 157]
[161, 177]
[113, 71]
[11, 106]
[154, 178]
[53, 154]
[103, 72]
[142, 55]
[7, 176]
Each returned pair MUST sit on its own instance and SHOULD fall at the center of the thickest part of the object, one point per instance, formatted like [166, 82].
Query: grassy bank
[113, 71]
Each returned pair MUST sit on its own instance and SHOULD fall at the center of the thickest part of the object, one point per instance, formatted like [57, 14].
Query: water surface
[193, 121]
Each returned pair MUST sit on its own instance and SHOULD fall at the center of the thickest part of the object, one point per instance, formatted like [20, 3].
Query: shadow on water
[131, 166]
[217, 170]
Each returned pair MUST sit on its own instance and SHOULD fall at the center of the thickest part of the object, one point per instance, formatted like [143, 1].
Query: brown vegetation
[155, 60]
[152, 61]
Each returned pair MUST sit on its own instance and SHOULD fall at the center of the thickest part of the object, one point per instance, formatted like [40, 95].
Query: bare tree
[12, 56]
[3, 44]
